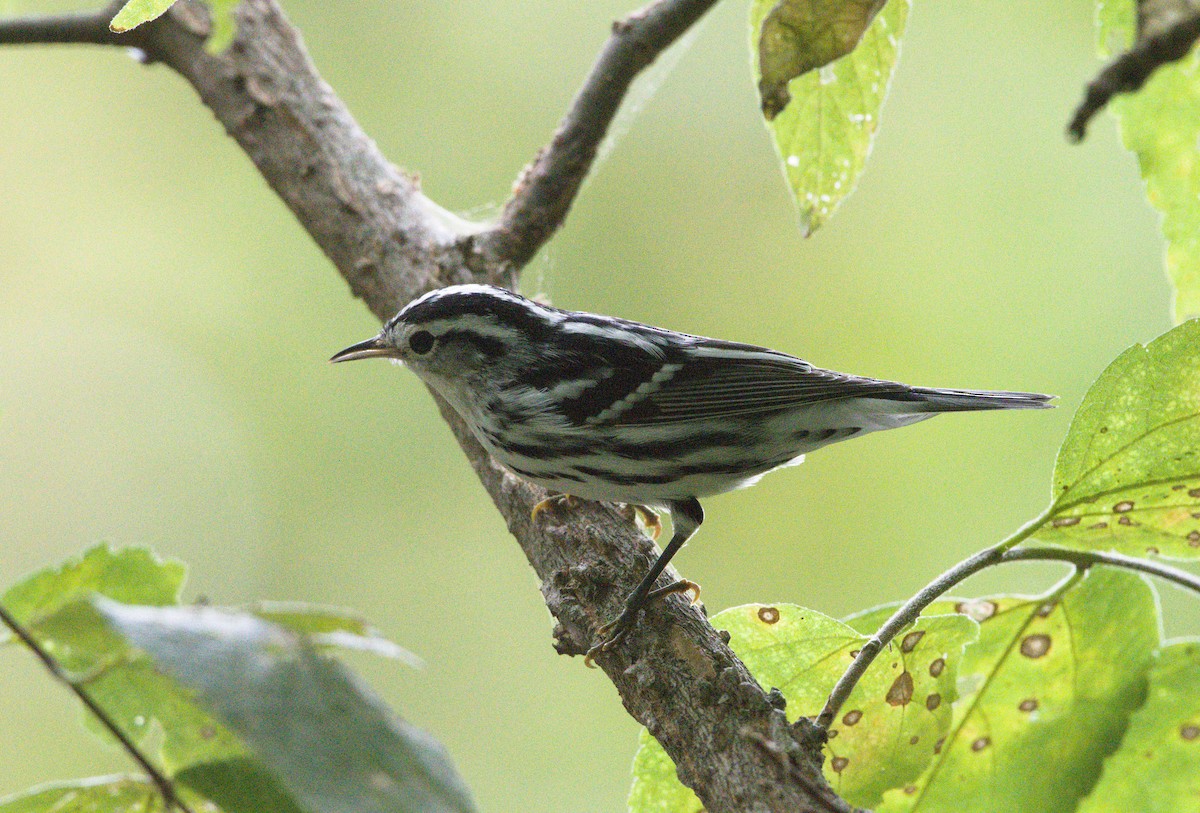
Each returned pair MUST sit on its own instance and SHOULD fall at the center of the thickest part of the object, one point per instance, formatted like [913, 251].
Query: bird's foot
[681, 586]
[612, 633]
[649, 519]
[551, 503]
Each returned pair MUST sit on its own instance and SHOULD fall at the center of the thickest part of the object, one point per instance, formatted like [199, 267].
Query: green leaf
[224, 25]
[1046, 694]
[129, 575]
[104, 794]
[800, 35]
[136, 12]
[1116, 25]
[55, 606]
[1157, 769]
[1128, 474]
[824, 135]
[333, 627]
[656, 787]
[328, 741]
[238, 786]
[885, 734]
[161, 717]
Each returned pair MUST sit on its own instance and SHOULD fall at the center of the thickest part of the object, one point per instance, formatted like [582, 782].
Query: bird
[601, 408]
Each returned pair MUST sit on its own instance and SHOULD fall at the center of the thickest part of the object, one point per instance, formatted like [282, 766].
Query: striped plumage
[607, 409]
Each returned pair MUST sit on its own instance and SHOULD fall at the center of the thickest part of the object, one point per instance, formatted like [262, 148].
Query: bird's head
[458, 337]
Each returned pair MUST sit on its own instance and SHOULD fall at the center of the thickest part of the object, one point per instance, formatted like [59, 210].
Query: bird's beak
[371, 348]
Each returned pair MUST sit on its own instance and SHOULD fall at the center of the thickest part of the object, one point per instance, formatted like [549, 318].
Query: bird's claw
[681, 586]
[650, 519]
[608, 636]
[612, 633]
[551, 503]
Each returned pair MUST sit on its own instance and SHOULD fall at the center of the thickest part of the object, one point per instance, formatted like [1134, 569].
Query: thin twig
[548, 186]
[52, 666]
[1130, 70]
[89, 28]
[1081, 558]
[1002, 553]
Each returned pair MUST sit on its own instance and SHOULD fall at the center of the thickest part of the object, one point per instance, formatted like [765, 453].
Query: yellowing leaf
[824, 135]
[1128, 474]
[885, 734]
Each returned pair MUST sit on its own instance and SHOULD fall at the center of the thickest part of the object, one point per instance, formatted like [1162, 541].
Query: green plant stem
[995, 555]
[1084, 559]
[55, 669]
[911, 611]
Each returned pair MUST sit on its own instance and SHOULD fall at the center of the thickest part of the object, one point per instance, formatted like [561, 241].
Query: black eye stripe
[489, 346]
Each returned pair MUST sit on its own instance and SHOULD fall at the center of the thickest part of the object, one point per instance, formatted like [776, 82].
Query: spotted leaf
[1157, 769]
[1046, 694]
[824, 134]
[1128, 474]
[885, 734]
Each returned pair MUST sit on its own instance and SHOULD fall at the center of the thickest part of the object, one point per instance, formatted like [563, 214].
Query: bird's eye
[421, 342]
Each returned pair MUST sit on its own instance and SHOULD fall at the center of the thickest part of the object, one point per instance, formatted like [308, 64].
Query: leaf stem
[1085, 559]
[911, 610]
[998, 554]
[55, 669]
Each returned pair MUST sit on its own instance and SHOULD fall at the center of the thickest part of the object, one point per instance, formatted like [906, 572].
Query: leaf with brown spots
[885, 734]
[1047, 691]
[1157, 768]
[1128, 474]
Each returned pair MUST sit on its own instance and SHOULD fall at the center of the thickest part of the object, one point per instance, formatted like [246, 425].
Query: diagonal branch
[730, 740]
[548, 186]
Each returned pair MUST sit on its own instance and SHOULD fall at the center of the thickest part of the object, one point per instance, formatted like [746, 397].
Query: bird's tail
[936, 400]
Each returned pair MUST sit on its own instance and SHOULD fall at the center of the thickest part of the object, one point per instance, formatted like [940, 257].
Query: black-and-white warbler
[607, 409]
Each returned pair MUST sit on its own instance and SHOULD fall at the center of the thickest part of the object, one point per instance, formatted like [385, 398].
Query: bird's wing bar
[720, 379]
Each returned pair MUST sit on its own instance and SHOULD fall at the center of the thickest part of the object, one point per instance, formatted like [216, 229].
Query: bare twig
[547, 188]
[84, 28]
[165, 788]
[1002, 553]
[675, 674]
[1085, 559]
[1129, 71]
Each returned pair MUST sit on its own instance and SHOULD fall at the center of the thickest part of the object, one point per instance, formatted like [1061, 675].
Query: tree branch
[675, 673]
[547, 188]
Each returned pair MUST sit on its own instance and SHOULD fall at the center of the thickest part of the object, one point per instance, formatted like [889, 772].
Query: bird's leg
[650, 519]
[552, 501]
[686, 516]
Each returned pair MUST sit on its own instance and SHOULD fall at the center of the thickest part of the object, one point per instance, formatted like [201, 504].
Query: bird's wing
[722, 379]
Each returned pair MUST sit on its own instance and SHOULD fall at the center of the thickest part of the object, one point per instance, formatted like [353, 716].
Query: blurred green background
[165, 325]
